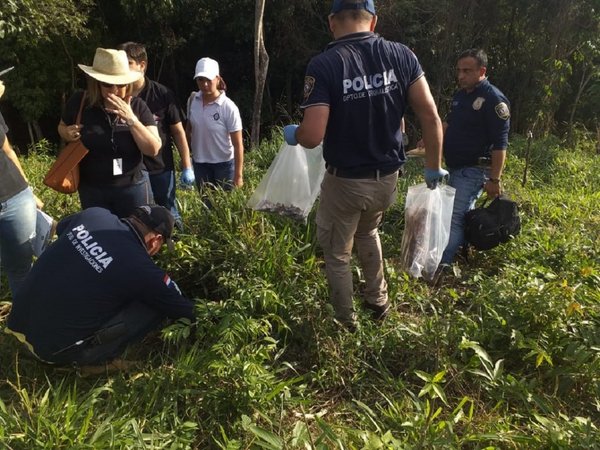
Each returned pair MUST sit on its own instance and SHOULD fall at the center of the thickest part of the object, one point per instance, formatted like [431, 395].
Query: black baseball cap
[157, 218]
[339, 5]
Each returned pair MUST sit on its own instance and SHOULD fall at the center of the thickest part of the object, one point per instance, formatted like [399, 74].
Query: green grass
[505, 355]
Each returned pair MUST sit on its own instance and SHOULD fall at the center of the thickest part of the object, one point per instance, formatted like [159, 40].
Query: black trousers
[131, 324]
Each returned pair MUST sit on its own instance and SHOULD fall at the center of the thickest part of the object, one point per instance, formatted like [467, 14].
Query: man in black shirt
[96, 289]
[167, 114]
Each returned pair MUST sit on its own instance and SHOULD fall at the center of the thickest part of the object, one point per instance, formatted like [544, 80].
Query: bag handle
[80, 112]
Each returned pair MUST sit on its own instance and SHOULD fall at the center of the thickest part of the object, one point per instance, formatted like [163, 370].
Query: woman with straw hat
[117, 129]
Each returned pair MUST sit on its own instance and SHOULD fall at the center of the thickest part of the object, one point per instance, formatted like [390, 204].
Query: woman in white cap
[117, 129]
[17, 213]
[214, 129]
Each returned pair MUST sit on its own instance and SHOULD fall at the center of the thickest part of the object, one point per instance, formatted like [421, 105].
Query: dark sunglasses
[110, 85]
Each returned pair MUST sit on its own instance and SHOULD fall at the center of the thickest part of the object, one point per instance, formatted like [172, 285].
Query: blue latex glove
[187, 177]
[433, 176]
[289, 134]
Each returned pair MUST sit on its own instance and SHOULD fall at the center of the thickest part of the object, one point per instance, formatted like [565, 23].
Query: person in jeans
[475, 142]
[17, 214]
[214, 128]
[117, 129]
[96, 289]
[167, 114]
[355, 95]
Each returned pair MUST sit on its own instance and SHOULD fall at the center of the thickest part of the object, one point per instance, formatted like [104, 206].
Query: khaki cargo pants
[350, 210]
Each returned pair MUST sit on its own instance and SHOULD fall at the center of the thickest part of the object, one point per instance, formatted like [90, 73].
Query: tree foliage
[543, 53]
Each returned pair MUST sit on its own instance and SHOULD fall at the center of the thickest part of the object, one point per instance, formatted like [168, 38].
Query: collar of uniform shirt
[352, 37]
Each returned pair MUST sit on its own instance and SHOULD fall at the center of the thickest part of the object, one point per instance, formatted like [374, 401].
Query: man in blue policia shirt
[96, 289]
[475, 142]
[355, 95]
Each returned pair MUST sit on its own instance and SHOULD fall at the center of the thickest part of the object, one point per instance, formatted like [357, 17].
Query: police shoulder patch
[309, 84]
[502, 111]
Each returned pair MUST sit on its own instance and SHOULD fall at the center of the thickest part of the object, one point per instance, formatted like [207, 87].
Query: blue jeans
[216, 174]
[120, 200]
[468, 183]
[17, 229]
[163, 189]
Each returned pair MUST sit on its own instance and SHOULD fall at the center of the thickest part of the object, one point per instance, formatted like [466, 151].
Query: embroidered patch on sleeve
[309, 84]
[502, 111]
[478, 103]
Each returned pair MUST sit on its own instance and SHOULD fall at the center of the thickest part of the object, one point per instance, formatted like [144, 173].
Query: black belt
[363, 174]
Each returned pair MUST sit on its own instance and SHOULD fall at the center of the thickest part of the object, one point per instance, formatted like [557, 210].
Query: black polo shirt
[364, 79]
[161, 101]
[107, 138]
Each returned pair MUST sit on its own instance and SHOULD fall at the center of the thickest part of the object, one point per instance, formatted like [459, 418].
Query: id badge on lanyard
[117, 166]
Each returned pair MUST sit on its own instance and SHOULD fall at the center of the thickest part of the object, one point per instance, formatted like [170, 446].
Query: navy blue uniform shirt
[478, 122]
[98, 265]
[364, 79]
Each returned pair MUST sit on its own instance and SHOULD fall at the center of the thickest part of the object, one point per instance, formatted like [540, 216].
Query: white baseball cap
[207, 68]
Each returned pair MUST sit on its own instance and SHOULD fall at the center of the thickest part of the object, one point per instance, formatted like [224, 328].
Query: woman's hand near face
[121, 107]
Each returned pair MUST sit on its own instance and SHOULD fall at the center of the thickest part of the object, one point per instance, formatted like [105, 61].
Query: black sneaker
[378, 312]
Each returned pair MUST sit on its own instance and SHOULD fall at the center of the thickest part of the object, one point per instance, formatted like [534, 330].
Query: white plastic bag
[427, 218]
[292, 183]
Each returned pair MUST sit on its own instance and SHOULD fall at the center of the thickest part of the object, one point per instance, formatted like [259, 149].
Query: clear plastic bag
[292, 183]
[427, 218]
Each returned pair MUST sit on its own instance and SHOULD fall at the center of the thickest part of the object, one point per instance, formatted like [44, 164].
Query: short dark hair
[478, 54]
[135, 51]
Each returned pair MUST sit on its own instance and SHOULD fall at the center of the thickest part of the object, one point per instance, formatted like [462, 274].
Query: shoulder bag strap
[78, 120]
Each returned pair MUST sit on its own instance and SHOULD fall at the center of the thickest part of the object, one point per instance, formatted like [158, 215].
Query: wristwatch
[130, 121]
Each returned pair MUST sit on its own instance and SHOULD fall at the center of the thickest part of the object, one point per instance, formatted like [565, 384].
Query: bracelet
[494, 180]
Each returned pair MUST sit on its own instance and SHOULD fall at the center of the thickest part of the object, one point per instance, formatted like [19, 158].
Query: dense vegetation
[504, 355]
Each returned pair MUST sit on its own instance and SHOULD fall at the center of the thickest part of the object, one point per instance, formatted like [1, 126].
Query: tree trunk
[585, 79]
[261, 67]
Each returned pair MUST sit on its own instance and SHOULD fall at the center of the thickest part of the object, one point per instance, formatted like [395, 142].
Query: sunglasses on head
[111, 85]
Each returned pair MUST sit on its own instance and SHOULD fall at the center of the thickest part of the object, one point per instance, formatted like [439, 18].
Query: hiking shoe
[378, 312]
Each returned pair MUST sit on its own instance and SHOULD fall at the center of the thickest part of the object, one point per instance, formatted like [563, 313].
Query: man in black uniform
[355, 95]
[96, 289]
[167, 114]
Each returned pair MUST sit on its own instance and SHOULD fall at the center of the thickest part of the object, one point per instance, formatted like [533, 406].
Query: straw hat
[111, 66]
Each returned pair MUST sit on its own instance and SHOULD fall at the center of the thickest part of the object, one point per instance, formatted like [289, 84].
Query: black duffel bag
[487, 227]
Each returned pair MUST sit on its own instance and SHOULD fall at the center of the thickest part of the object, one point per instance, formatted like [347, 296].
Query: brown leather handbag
[63, 176]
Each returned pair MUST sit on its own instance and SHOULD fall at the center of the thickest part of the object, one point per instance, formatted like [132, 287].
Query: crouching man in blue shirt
[96, 290]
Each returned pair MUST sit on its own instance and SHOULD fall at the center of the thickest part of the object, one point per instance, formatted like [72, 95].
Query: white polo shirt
[211, 126]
